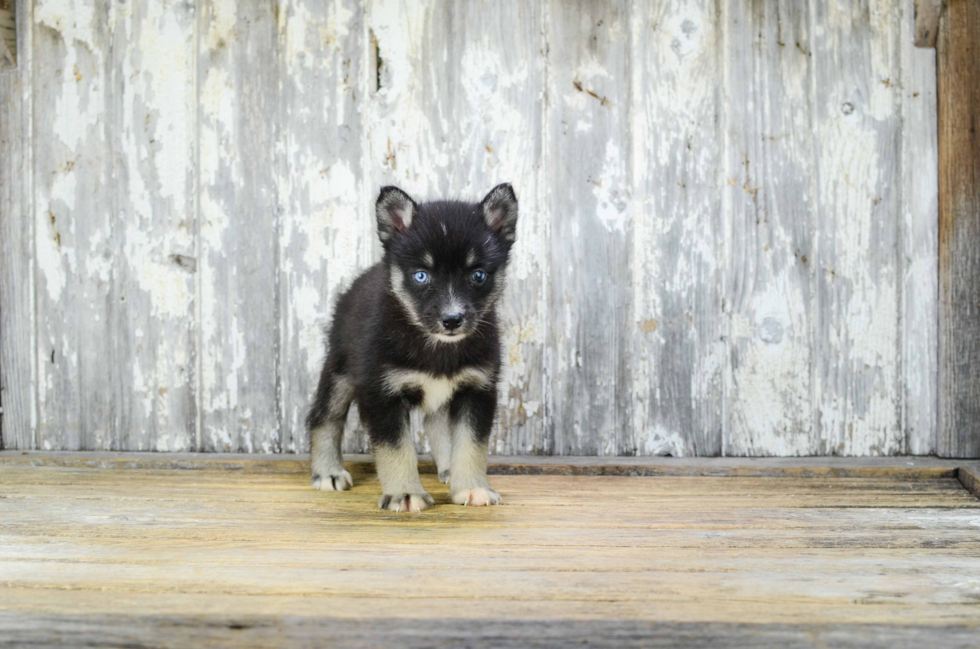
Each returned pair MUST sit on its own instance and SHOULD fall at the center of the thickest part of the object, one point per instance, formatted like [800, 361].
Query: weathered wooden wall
[958, 63]
[728, 240]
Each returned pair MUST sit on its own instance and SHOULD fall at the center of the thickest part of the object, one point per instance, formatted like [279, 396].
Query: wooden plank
[920, 244]
[770, 192]
[8, 35]
[238, 233]
[589, 172]
[74, 226]
[927, 21]
[152, 110]
[678, 245]
[261, 631]
[18, 391]
[958, 73]
[263, 553]
[896, 467]
[326, 237]
[857, 134]
[458, 109]
[969, 477]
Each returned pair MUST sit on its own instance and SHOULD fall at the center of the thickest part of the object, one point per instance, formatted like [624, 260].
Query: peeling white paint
[720, 326]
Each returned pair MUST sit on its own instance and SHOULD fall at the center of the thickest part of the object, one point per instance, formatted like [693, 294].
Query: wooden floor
[92, 554]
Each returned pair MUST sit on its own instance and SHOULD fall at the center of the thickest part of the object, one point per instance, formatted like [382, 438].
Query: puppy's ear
[500, 211]
[395, 211]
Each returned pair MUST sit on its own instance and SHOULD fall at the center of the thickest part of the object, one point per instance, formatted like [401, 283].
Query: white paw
[444, 476]
[476, 497]
[406, 502]
[332, 481]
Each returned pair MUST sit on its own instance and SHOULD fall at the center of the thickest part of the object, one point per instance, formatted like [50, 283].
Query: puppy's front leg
[394, 456]
[471, 419]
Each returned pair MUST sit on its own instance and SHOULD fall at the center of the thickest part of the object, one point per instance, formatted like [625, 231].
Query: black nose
[452, 321]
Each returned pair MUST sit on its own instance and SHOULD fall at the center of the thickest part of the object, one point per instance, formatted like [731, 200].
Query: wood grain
[239, 292]
[958, 71]
[18, 388]
[927, 14]
[590, 296]
[151, 72]
[256, 550]
[770, 192]
[482, 64]
[8, 35]
[288, 631]
[857, 139]
[678, 325]
[75, 229]
[920, 244]
[326, 234]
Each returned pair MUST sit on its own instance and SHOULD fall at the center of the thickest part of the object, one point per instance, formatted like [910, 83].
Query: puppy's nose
[452, 321]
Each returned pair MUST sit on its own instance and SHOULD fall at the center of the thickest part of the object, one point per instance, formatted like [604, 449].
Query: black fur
[373, 331]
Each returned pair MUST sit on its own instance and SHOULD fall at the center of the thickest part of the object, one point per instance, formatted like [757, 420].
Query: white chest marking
[436, 390]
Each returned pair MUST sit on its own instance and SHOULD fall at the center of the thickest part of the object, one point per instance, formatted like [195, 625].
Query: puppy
[419, 330]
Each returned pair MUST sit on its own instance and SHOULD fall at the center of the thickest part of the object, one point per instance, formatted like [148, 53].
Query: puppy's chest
[431, 392]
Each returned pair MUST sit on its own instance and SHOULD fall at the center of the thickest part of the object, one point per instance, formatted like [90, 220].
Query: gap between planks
[898, 467]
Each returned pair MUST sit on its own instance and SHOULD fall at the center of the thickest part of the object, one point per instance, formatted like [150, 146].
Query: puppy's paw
[477, 497]
[406, 502]
[444, 476]
[332, 481]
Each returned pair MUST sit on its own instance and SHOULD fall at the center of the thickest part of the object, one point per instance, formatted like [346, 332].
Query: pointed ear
[394, 210]
[499, 209]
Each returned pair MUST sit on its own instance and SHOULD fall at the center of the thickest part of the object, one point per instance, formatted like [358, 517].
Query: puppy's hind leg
[440, 441]
[326, 427]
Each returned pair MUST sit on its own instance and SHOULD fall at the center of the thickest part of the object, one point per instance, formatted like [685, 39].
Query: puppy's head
[446, 259]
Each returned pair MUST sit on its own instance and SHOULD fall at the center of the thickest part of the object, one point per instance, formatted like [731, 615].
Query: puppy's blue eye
[421, 277]
[478, 276]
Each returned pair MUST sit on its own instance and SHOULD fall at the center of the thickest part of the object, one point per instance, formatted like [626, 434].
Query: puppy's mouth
[450, 336]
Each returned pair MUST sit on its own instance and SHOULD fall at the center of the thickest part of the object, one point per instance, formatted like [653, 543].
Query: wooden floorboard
[93, 553]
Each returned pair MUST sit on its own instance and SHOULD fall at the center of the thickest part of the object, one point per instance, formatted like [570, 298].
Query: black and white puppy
[419, 330]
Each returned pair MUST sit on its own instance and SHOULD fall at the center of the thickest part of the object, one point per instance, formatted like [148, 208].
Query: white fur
[398, 287]
[341, 481]
[468, 469]
[326, 458]
[440, 440]
[476, 497]
[446, 338]
[437, 390]
[399, 475]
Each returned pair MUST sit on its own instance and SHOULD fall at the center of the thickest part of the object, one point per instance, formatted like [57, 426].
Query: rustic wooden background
[728, 240]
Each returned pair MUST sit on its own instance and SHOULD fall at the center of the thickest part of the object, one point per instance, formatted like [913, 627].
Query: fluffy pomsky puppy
[419, 330]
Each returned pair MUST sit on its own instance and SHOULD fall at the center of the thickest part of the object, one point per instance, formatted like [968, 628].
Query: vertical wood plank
[18, 391]
[678, 246]
[74, 231]
[769, 193]
[238, 259]
[327, 235]
[958, 75]
[920, 244]
[152, 110]
[591, 207]
[8, 35]
[458, 110]
[397, 144]
[858, 143]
